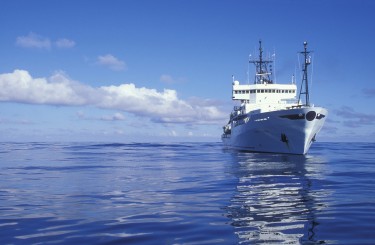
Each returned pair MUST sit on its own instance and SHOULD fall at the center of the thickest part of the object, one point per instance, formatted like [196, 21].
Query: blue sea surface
[185, 193]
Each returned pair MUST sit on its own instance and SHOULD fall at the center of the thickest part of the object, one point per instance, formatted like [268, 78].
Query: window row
[254, 91]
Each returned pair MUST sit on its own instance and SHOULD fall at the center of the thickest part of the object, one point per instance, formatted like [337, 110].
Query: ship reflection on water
[276, 201]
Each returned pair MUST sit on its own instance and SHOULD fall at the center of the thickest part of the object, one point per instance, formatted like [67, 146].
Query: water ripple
[187, 193]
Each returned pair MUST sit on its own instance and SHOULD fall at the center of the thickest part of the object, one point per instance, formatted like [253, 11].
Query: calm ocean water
[185, 193]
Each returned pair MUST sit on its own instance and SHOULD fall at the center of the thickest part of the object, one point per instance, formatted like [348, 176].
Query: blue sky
[141, 70]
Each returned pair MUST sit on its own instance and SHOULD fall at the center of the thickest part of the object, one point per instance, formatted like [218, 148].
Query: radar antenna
[261, 68]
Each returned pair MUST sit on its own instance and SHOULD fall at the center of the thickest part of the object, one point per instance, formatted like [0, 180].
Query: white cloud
[19, 86]
[33, 41]
[65, 43]
[111, 62]
[164, 107]
[115, 117]
[165, 78]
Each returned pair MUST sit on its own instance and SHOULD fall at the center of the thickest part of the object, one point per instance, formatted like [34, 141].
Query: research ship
[271, 117]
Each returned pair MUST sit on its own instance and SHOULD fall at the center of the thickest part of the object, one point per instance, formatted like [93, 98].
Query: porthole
[310, 115]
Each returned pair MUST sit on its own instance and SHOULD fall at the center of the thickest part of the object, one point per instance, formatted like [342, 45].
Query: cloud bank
[354, 119]
[369, 92]
[165, 107]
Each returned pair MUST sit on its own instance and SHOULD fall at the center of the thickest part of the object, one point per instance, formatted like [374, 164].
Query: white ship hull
[289, 131]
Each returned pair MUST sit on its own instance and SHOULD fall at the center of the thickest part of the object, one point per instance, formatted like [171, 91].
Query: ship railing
[289, 101]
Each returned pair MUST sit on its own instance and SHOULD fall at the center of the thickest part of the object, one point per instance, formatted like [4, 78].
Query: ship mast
[261, 66]
[307, 61]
